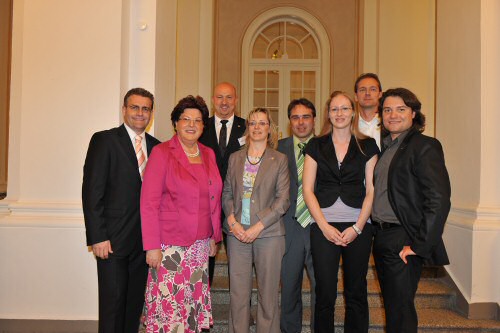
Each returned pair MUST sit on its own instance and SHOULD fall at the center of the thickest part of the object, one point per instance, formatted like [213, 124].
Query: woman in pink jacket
[180, 212]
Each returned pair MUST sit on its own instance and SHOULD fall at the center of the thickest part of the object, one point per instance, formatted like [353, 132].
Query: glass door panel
[275, 87]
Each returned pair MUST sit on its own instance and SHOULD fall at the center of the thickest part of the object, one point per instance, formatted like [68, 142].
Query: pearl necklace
[195, 154]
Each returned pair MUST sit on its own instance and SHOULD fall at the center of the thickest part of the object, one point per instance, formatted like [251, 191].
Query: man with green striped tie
[301, 113]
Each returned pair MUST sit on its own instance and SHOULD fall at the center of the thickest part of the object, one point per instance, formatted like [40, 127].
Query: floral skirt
[178, 295]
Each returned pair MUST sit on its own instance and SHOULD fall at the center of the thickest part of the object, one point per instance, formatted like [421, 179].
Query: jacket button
[212, 198]
[209, 182]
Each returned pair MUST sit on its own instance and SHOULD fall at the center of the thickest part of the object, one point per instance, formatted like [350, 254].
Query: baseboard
[485, 310]
[47, 326]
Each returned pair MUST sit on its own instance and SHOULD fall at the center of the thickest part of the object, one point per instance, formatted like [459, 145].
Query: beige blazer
[270, 195]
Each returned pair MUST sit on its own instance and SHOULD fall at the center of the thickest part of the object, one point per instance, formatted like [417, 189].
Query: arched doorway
[285, 55]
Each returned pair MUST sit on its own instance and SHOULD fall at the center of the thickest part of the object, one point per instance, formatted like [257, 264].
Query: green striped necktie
[302, 213]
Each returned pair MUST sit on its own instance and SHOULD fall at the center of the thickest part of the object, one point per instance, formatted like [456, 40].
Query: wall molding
[475, 218]
[43, 214]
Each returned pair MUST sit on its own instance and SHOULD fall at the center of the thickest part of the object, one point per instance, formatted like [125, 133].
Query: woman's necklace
[257, 158]
[192, 155]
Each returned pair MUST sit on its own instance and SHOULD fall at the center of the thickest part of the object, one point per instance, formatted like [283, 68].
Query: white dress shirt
[229, 126]
[132, 135]
[370, 128]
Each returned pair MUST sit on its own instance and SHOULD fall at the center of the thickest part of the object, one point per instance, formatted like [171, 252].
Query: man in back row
[367, 91]
[224, 135]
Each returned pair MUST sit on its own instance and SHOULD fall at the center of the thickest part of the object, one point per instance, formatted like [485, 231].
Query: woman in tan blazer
[255, 198]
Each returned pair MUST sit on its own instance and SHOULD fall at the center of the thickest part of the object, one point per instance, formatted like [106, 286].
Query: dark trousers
[297, 255]
[398, 281]
[122, 283]
[326, 258]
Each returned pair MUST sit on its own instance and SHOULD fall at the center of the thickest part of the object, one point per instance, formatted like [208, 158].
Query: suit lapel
[236, 132]
[327, 149]
[212, 139]
[351, 150]
[239, 168]
[180, 156]
[265, 165]
[212, 133]
[127, 147]
[149, 143]
[290, 153]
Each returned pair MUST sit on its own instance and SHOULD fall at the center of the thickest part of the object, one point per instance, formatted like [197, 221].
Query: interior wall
[68, 81]
[65, 86]
[183, 56]
[165, 73]
[5, 32]
[459, 74]
[467, 85]
[453, 68]
[399, 45]
[339, 18]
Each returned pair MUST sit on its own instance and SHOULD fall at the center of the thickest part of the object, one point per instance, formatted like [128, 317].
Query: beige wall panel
[458, 89]
[406, 50]
[188, 41]
[339, 17]
[166, 40]
[369, 28]
[70, 87]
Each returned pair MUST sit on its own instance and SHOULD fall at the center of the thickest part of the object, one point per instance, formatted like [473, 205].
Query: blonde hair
[272, 137]
[328, 127]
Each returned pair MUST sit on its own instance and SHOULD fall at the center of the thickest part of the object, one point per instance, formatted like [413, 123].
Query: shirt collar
[375, 120]
[132, 134]
[229, 120]
[296, 140]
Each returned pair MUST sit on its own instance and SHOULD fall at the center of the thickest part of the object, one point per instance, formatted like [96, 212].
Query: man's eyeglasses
[364, 90]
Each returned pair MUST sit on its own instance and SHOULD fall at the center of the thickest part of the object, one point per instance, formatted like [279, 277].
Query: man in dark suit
[410, 207]
[224, 134]
[301, 113]
[112, 179]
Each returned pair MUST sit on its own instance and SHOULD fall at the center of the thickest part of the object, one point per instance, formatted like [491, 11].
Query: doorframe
[324, 51]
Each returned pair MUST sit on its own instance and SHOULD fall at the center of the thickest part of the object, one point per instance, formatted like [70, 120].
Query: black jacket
[346, 182]
[111, 190]
[209, 138]
[419, 193]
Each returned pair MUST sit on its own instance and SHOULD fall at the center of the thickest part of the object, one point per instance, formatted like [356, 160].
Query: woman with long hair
[338, 190]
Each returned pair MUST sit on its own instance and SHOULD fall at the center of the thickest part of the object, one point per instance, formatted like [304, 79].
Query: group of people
[154, 221]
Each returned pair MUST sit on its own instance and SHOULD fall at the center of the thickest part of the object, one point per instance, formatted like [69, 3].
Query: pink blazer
[170, 196]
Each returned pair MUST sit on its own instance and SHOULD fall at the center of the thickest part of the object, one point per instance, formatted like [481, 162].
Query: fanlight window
[285, 40]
